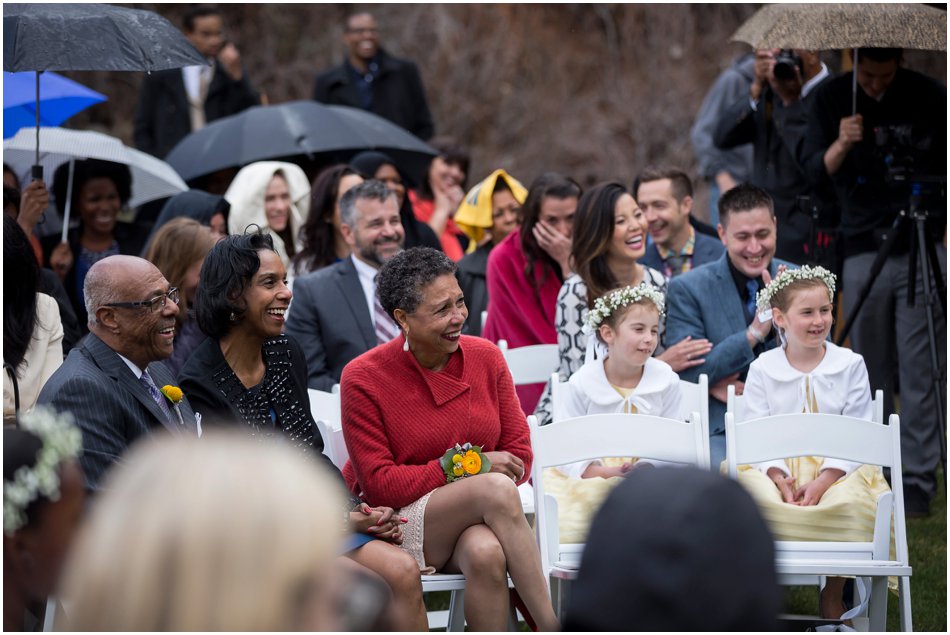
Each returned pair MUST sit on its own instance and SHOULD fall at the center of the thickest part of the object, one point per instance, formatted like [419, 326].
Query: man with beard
[114, 383]
[335, 314]
[372, 79]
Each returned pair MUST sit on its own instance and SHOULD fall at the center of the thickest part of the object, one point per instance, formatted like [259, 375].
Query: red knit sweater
[399, 418]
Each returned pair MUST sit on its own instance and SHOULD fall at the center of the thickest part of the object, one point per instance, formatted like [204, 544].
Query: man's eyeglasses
[156, 304]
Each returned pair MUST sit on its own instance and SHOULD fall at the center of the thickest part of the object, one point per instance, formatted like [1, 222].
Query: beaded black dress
[276, 409]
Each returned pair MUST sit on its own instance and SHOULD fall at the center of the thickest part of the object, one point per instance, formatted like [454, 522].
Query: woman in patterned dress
[249, 373]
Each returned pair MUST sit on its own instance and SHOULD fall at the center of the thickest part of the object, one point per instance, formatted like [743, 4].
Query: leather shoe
[916, 502]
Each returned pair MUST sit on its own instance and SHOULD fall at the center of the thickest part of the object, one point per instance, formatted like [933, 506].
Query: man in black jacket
[175, 102]
[372, 79]
[897, 137]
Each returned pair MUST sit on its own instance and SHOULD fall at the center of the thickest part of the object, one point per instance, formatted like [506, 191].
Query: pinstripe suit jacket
[110, 405]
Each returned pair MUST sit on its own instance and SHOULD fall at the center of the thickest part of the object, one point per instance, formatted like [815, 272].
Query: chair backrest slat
[830, 436]
[600, 435]
[530, 364]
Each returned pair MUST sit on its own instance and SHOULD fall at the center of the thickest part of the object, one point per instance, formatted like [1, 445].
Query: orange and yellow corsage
[463, 461]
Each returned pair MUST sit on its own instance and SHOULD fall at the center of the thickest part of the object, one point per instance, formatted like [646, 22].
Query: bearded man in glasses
[113, 382]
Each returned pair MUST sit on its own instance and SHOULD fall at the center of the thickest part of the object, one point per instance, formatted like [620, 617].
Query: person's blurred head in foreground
[43, 493]
[222, 533]
[676, 549]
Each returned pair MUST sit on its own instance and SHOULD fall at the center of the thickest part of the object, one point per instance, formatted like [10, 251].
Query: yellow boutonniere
[172, 393]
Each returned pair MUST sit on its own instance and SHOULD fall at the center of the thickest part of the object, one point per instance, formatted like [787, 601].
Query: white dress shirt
[367, 275]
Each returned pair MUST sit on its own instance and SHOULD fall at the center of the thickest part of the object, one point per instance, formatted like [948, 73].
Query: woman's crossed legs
[476, 526]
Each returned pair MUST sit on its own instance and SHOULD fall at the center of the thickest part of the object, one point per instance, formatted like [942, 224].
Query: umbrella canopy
[91, 37]
[151, 178]
[61, 99]
[294, 129]
[844, 26]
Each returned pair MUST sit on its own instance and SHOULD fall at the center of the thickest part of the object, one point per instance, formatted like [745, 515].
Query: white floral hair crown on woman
[764, 298]
[61, 441]
[605, 305]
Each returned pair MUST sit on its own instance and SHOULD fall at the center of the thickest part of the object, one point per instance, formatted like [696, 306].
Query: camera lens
[785, 63]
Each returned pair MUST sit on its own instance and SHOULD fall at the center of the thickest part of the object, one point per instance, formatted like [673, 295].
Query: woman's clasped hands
[380, 522]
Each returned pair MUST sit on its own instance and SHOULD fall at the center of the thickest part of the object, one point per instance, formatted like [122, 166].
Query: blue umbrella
[61, 98]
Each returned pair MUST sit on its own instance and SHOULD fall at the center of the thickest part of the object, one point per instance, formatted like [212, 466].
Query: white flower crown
[604, 306]
[763, 300]
[61, 441]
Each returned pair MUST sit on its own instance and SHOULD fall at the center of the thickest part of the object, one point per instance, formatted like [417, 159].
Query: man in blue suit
[666, 197]
[717, 301]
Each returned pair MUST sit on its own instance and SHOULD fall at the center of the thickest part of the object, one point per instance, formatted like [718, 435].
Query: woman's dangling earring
[233, 317]
[405, 341]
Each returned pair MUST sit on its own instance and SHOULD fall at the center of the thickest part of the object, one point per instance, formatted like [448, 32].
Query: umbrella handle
[854, 82]
[37, 170]
[69, 197]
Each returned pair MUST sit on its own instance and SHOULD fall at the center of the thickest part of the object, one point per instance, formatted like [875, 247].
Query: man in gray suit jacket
[111, 382]
[335, 314]
[717, 301]
[666, 197]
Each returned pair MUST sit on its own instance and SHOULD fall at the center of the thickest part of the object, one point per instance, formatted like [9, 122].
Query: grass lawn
[927, 543]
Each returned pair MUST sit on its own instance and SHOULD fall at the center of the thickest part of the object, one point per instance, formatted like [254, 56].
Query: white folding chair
[695, 398]
[325, 408]
[850, 439]
[735, 403]
[597, 436]
[877, 407]
[530, 364]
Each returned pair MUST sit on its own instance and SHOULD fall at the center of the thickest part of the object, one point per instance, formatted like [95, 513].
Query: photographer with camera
[892, 143]
[772, 118]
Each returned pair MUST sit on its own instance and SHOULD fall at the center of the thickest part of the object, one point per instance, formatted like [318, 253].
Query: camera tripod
[922, 253]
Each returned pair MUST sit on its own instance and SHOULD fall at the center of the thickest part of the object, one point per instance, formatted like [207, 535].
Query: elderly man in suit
[173, 103]
[112, 382]
[335, 314]
[717, 301]
[666, 197]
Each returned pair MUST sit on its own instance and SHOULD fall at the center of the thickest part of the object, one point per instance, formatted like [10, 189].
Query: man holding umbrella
[894, 138]
[176, 102]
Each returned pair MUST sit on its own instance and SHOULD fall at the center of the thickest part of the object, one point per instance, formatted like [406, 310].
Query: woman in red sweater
[405, 403]
[526, 270]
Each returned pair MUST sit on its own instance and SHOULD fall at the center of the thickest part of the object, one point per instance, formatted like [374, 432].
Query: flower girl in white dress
[811, 498]
[628, 380]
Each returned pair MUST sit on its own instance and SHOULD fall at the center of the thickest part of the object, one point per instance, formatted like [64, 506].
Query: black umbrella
[90, 37]
[295, 129]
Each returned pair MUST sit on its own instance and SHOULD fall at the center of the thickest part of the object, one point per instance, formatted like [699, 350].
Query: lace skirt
[414, 531]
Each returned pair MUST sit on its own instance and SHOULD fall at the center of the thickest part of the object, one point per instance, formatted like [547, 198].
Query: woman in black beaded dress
[249, 373]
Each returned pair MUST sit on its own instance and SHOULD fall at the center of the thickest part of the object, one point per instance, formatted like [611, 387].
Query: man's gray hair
[371, 190]
[98, 290]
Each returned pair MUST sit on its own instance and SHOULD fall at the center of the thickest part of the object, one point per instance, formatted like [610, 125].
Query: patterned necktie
[752, 286]
[157, 395]
[386, 328]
